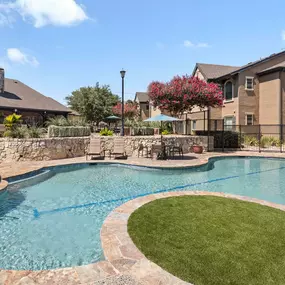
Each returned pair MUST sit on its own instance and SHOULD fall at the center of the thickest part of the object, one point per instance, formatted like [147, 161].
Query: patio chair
[143, 150]
[119, 148]
[95, 149]
[158, 150]
[175, 149]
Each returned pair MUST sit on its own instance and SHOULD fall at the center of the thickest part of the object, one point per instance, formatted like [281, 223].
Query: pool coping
[3, 185]
[123, 254]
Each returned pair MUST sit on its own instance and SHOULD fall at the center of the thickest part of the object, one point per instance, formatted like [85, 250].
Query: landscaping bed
[209, 240]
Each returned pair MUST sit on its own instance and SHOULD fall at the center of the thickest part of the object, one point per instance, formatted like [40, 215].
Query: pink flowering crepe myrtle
[183, 93]
[130, 110]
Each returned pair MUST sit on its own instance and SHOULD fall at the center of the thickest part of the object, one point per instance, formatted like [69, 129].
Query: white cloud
[189, 44]
[17, 56]
[6, 20]
[283, 35]
[46, 12]
[202, 45]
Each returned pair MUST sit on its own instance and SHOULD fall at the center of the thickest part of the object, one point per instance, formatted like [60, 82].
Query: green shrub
[58, 121]
[60, 131]
[250, 141]
[8, 134]
[165, 133]
[78, 123]
[269, 141]
[34, 132]
[143, 131]
[106, 132]
[61, 121]
[16, 133]
[12, 121]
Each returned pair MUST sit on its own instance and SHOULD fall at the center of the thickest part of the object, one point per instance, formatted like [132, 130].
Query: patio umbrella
[162, 118]
[114, 118]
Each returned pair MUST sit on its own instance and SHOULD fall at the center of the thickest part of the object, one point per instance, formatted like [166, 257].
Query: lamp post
[123, 73]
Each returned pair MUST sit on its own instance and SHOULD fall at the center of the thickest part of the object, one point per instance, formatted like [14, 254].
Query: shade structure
[162, 118]
[113, 118]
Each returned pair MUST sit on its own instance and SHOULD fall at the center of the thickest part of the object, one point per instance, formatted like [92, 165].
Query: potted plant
[197, 149]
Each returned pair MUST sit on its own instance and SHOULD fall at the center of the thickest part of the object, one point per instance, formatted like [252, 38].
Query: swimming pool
[54, 219]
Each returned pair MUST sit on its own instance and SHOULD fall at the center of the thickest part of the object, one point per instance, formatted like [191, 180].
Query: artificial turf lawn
[209, 240]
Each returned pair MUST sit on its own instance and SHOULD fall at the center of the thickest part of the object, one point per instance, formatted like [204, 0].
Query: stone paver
[119, 280]
[124, 264]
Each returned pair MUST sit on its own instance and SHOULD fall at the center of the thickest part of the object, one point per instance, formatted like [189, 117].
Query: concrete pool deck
[124, 264]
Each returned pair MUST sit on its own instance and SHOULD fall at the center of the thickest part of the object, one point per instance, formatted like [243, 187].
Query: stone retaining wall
[59, 148]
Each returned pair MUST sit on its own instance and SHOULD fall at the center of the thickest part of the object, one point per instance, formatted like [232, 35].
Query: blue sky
[59, 46]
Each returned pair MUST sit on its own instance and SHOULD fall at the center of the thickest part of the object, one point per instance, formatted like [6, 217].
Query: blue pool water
[54, 220]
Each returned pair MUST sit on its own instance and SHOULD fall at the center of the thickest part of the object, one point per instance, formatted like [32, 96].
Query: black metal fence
[260, 138]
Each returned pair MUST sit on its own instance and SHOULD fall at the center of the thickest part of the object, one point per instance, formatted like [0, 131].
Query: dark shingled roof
[20, 96]
[212, 71]
[142, 97]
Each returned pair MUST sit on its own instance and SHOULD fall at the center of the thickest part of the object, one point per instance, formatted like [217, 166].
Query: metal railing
[259, 138]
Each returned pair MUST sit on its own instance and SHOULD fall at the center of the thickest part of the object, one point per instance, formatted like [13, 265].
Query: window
[249, 119]
[216, 125]
[229, 92]
[249, 83]
[193, 125]
[228, 123]
[147, 107]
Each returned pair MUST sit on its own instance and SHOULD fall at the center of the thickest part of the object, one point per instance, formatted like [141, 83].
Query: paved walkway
[124, 264]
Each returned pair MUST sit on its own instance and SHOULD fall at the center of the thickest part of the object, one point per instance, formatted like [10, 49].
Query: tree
[93, 103]
[130, 110]
[183, 93]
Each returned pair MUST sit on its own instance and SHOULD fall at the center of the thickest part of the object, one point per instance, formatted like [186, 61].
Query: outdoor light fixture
[123, 73]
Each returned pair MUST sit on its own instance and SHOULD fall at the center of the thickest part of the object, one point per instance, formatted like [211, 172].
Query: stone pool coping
[3, 185]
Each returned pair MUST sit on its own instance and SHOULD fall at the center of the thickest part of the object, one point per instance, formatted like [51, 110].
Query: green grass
[210, 240]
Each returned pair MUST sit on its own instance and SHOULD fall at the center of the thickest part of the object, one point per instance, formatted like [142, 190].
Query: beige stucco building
[253, 94]
[146, 109]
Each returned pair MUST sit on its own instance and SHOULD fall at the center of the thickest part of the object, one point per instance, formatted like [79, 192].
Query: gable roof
[212, 71]
[20, 96]
[251, 64]
[142, 97]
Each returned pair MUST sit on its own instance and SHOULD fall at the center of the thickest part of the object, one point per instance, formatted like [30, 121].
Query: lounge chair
[119, 147]
[95, 149]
